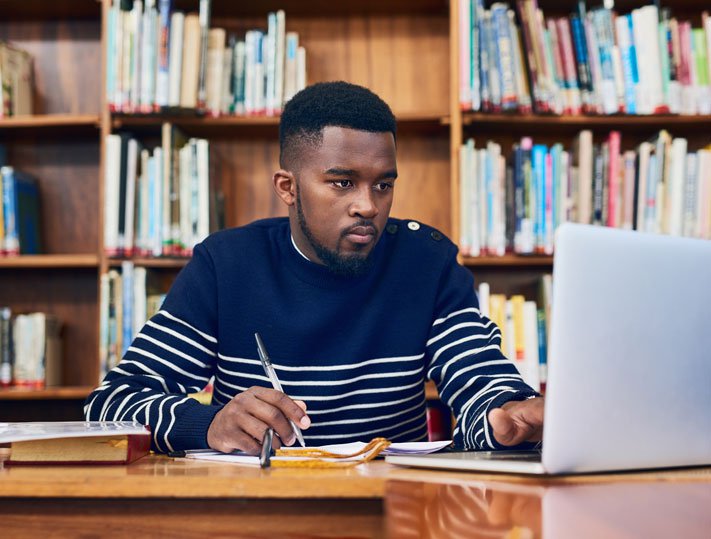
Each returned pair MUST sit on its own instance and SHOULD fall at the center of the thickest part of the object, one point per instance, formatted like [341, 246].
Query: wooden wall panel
[246, 167]
[402, 58]
[68, 179]
[67, 63]
[71, 295]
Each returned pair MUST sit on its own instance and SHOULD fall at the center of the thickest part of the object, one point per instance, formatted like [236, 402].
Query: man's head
[338, 167]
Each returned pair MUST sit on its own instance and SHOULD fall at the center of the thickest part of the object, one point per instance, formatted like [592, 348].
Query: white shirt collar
[299, 250]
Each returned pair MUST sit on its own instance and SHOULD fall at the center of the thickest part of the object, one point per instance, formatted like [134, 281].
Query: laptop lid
[629, 365]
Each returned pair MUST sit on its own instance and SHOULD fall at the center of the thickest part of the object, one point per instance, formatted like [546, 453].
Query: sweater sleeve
[173, 355]
[465, 360]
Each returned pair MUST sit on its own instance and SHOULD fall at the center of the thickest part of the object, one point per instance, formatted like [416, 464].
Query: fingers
[503, 426]
[242, 422]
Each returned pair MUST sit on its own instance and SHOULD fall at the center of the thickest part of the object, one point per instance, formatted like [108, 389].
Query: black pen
[271, 374]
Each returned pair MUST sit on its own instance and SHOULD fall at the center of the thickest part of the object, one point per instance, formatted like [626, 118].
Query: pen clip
[265, 457]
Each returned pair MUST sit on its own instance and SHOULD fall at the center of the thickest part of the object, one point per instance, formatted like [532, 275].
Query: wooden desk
[162, 497]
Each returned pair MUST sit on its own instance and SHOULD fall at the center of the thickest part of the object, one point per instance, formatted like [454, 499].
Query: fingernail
[291, 440]
[305, 422]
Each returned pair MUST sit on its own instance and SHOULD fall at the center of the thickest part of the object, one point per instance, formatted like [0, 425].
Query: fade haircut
[337, 104]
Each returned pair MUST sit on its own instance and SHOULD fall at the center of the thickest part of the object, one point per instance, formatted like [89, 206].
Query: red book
[76, 442]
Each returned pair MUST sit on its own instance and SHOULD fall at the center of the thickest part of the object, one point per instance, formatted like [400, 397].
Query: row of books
[127, 300]
[158, 58]
[16, 81]
[158, 202]
[19, 213]
[524, 326]
[596, 62]
[660, 187]
[30, 350]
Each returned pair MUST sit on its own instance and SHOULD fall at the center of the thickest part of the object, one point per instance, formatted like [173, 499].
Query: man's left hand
[518, 421]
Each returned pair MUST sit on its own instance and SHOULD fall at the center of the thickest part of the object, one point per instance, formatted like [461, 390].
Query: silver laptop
[629, 363]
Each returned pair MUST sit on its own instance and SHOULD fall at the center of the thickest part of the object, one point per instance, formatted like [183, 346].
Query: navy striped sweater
[356, 350]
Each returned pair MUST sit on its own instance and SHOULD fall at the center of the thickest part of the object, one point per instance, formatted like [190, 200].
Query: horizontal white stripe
[168, 364]
[368, 405]
[367, 432]
[307, 398]
[205, 336]
[172, 350]
[456, 313]
[456, 327]
[482, 336]
[402, 435]
[107, 401]
[368, 419]
[324, 368]
[454, 359]
[180, 336]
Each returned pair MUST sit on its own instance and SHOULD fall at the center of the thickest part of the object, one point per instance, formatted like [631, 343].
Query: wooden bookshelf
[53, 393]
[404, 50]
[50, 261]
[509, 261]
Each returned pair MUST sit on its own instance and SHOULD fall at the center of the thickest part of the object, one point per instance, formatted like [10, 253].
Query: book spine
[163, 73]
[12, 236]
[204, 16]
[6, 359]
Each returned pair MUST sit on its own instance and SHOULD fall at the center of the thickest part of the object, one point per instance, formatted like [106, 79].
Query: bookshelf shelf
[53, 393]
[151, 262]
[51, 125]
[50, 261]
[529, 123]
[232, 125]
[511, 261]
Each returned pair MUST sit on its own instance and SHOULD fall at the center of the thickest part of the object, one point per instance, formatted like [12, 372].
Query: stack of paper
[404, 448]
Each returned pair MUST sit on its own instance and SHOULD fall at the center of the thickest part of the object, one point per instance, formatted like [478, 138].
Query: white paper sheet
[403, 448]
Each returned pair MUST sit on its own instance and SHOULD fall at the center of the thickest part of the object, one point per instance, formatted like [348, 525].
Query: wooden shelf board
[177, 262]
[319, 8]
[40, 121]
[509, 261]
[521, 122]
[50, 261]
[68, 393]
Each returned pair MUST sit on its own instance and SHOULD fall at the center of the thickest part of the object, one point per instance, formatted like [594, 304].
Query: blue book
[127, 306]
[538, 156]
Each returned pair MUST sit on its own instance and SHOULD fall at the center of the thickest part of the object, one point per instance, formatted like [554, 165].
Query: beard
[346, 265]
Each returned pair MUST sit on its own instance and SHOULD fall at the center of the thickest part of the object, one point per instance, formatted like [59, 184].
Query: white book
[191, 61]
[127, 45]
[175, 64]
[290, 65]
[239, 57]
[139, 298]
[483, 292]
[269, 61]
[260, 104]
[185, 198]
[508, 347]
[203, 167]
[103, 324]
[157, 206]
[703, 198]
[136, 53]
[300, 68]
[143, 204]
[130, 206]
[585, 176]
[215, 66]
[646, 24]
[690, 195]
[465, 89]
[675, 189]
[112, 173]
[280, 60]
[644, 152]
[464, 194]
[226, 95]
[148, 57]
[531, 368]
[250, 60]
[111, 52]
[474, 201]
[481, 164]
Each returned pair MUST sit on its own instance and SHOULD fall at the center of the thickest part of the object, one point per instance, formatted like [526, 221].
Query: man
[356, 311]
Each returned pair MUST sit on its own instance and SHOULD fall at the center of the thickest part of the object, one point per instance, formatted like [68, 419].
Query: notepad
[402, 448]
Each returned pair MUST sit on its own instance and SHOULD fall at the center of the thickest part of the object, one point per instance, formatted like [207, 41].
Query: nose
[363, 204]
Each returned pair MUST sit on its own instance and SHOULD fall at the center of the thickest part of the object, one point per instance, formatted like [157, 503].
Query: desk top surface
[427, 503]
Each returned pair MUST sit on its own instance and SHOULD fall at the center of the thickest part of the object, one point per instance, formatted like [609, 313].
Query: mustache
[362, 223]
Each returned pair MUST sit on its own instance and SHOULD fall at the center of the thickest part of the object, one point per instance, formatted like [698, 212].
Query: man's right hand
[241, 424]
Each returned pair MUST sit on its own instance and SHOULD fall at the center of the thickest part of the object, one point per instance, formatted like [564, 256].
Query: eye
[342, 184]
[383, 186]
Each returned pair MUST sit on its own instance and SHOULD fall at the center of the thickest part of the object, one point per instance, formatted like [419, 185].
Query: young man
[356, 310]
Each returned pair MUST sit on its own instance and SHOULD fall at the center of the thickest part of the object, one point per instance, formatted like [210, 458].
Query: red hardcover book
[75, 442]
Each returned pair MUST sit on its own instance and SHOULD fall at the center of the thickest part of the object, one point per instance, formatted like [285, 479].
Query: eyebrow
[351, 173]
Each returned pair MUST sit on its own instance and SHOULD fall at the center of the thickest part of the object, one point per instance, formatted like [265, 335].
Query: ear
[285, 186]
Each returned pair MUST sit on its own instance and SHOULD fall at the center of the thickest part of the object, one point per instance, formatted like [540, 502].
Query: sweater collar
[319, 275]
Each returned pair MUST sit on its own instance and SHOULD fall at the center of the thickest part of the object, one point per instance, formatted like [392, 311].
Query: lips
[361, 234]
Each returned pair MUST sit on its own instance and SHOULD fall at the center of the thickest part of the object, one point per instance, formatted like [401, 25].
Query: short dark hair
[338, 104]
